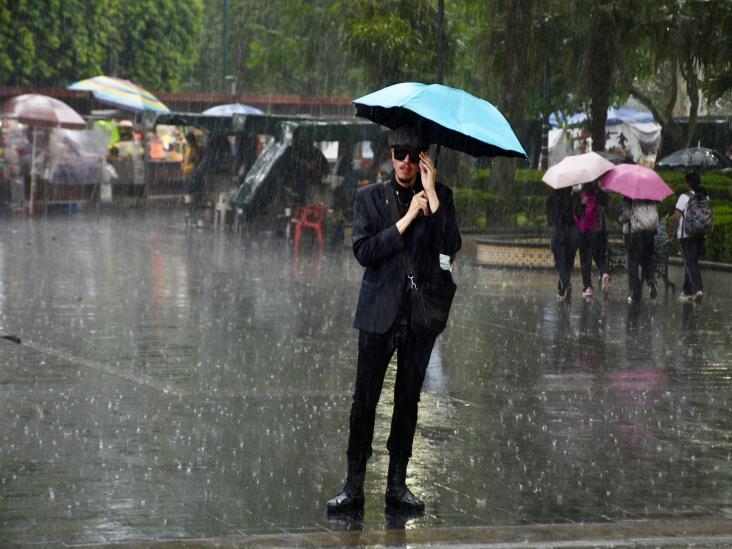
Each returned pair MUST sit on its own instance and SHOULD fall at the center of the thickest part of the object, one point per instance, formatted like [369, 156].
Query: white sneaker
[686, 298]
[698, 296]
[605, 283]
[588, 292]
[630, 300]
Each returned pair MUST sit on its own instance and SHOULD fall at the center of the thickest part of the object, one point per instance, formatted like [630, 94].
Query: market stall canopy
[120, 93]
[615, 115]
[228, 125]
[279, 126]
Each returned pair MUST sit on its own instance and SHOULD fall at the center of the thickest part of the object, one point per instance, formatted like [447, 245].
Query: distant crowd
[578, 221]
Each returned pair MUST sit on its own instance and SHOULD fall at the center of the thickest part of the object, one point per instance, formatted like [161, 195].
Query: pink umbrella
[572, 170]
[40, 110]
[636, 182]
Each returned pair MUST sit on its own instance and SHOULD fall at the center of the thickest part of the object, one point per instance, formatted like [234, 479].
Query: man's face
[406, 169]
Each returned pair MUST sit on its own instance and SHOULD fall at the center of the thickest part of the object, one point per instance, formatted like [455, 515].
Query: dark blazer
[378, 246]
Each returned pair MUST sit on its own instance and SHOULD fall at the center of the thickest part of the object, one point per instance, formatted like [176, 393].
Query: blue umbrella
[231, 109]
[447, 116]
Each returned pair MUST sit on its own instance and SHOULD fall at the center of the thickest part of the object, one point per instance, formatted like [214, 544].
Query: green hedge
[473, 207]
[719, 242]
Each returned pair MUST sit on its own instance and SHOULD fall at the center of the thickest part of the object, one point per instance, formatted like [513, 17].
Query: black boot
[398, 497]
[350, 498]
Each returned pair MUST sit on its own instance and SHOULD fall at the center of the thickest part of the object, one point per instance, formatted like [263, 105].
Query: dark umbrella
[694, 157]
[447, 116]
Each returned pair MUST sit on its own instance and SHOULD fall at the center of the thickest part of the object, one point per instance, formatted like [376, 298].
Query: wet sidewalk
[180, 384]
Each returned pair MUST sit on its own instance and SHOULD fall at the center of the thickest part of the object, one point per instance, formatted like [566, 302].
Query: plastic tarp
[76, 157]
[269, 173]
[615, 115]
[259, 178]
[639, 140]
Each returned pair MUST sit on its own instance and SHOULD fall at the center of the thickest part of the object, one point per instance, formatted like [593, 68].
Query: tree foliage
[55, 42]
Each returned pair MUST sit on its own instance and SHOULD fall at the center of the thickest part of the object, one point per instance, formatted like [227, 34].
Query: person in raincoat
[428, 230]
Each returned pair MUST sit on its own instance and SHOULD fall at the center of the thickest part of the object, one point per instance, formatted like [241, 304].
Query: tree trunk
[674, 136]
[598, 70]
[513, 93]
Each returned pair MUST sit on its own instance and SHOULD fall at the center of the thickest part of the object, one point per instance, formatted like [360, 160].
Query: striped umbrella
[120, 93]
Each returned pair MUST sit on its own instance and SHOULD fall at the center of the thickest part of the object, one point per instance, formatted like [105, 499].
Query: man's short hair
[408, 137]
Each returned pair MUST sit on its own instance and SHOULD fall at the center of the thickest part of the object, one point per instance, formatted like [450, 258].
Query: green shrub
[473, 204]
[719, 242]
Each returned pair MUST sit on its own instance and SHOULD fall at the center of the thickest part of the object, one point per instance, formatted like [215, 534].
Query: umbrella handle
[437, 154]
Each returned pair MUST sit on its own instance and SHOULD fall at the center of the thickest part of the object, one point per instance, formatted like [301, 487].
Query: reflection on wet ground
[183, 383]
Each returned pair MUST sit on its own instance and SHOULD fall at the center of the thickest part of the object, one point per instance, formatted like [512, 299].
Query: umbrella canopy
[572, 170]
[636, 182]
[120, 93]
[231, 109]
[41, 110]
[698, 157]
[447, 116]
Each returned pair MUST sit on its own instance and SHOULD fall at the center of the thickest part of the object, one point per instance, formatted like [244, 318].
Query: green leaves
[55, 42]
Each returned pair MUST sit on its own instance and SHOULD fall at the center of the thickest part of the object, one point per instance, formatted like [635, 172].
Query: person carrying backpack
[640, 223]
[691, 222]
[590, 221]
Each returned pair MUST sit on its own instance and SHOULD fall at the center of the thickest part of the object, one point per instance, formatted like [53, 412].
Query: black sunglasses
[400, 153]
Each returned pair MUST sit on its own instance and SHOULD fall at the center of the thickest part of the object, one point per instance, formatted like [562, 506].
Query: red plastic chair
[312, 217]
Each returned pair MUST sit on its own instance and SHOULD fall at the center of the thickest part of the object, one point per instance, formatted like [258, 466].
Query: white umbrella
[573, 170]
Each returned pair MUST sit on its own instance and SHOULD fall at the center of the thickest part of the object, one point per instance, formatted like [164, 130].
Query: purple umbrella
[636, 182]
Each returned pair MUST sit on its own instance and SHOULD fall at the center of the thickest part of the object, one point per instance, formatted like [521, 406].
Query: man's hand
[418, 206]
[428, 174]
[428, 171]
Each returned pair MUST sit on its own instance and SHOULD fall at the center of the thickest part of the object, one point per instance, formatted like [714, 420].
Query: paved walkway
[183, 387]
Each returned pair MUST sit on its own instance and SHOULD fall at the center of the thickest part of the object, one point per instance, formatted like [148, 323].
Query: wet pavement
[175, 383]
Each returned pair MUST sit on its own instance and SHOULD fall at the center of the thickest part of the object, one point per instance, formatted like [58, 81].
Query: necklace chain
[399, 200]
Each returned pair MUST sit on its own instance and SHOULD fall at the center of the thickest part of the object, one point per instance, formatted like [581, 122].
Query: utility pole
[224, 43]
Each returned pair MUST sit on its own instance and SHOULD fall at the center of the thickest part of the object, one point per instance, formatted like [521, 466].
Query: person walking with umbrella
[591, 223]
[426, 227]
[642, 189]
[564, 237]
[640, 224]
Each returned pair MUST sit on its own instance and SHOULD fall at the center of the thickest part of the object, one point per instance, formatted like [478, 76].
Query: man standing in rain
[427, 229]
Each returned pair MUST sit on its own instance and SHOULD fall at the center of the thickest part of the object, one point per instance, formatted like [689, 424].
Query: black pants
[592, 246]
[374, 353]
[692, 248]
[564, 241]
[639, 249]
